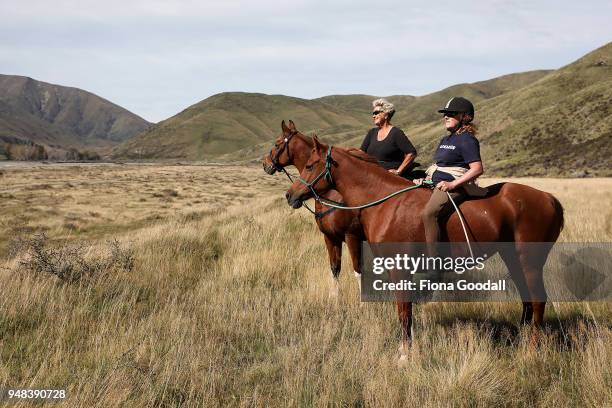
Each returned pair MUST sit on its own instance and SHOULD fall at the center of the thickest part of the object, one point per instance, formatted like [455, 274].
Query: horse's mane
[361, 155]
[357, 153]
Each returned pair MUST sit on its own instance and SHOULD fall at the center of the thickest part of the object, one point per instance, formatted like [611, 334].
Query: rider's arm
[403, 144]
[409, 158]
[475, 171]
[366, 143]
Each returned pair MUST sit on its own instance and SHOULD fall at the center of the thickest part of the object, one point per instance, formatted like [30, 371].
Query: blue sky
[156, 58]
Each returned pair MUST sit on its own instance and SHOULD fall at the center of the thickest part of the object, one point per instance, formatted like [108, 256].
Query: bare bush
[120, 256]
[70, 263]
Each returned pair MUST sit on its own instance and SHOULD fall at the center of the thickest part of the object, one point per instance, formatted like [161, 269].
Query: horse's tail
[560, 218]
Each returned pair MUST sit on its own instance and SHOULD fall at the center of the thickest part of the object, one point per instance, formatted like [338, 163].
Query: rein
[326, 172]
[317, 215]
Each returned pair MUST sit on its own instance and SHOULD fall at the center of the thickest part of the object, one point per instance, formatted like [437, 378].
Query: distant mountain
[62, 117]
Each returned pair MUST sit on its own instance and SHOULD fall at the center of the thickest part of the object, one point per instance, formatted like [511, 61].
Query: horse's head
[315, 178]
[279, 155]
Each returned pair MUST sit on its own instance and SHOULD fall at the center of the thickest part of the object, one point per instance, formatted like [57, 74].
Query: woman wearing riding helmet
[388, 143]
[457, 165]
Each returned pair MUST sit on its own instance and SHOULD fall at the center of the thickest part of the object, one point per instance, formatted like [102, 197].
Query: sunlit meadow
[216, 293]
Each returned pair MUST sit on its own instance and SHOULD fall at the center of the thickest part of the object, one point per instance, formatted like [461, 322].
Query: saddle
[472, 189]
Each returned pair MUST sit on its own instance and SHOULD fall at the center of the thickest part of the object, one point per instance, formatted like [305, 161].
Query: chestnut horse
[293, 148]
[510, 213]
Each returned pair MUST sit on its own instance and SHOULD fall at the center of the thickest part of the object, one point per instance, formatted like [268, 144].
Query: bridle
[325, 173]
[277, 166]
[279, 151]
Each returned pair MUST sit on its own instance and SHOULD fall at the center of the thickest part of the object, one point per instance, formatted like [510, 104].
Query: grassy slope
[558, 125]
[230, 121]
[412, 110]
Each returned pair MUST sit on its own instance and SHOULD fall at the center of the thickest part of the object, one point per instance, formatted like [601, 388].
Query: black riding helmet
[458, 104]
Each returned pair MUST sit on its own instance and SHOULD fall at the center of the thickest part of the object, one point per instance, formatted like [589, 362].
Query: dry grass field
[215, 293]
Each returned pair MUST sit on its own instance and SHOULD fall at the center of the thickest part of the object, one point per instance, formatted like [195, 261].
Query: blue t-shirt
[456, 151]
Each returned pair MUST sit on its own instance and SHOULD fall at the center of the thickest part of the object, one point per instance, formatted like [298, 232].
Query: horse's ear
[316, 143]
[291, 125]
[286, 130]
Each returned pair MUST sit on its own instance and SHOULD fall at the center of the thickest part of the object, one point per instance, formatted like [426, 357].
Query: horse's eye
[309, 167]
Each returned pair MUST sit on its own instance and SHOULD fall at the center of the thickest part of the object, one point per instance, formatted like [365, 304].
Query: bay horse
[293, 148]
[511, 213]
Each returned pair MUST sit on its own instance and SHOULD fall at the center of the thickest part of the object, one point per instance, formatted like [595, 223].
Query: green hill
[228, 122]
[412, 111]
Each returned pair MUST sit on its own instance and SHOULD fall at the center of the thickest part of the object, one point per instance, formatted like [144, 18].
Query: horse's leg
[334, 251]
[532, 258]
[535, 283]
[354, 246]
[404, 311]
[511, 259]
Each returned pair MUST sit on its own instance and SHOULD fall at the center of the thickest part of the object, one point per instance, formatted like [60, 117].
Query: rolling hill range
[533, 123]
[62, 117]
[554, 123]
[239, 125]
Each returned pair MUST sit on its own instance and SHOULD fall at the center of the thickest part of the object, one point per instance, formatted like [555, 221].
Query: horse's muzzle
[268, 168]
[294, 202]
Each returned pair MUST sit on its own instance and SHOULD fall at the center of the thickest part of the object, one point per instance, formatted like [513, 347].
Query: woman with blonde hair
[388, 143]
